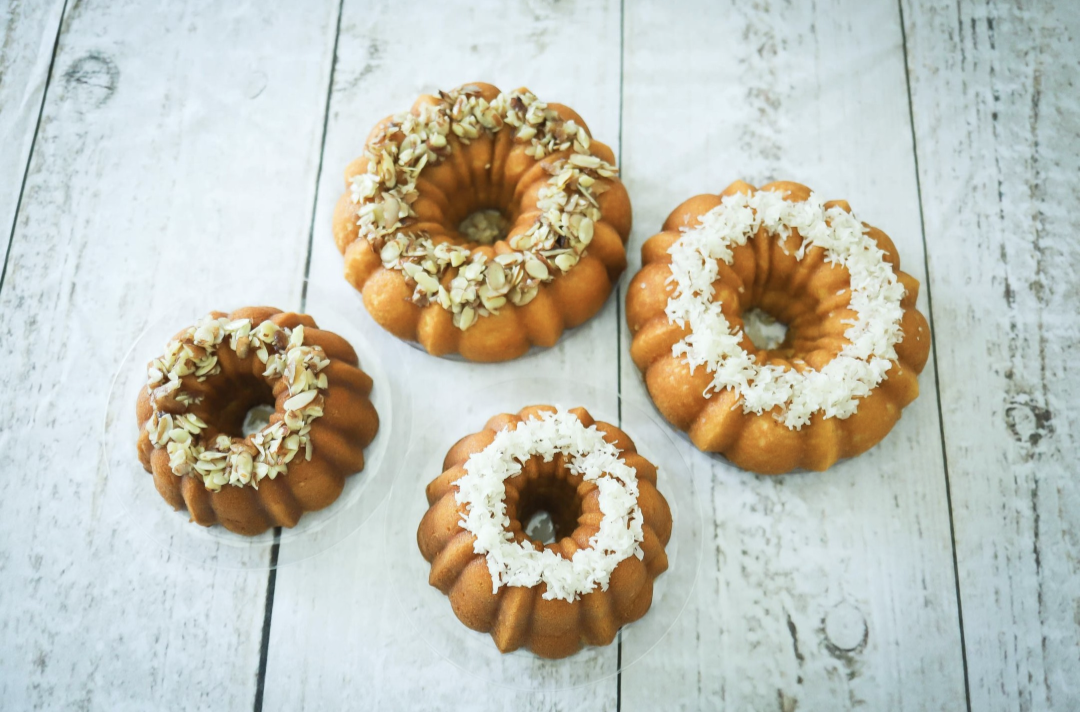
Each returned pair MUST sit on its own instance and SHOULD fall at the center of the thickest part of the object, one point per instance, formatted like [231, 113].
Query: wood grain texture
[997, 122]
[339, 608]
[173, 145]
[817, 591]
[178, 147]
[26, 51]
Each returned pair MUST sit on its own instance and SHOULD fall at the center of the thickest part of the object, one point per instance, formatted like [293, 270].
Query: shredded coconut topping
[552, 245]
[224, 459]
[875, 296]
[483, 492]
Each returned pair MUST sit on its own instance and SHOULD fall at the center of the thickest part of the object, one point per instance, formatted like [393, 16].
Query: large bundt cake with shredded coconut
[198, 393]
[854, 346]
[483, 222]
[611, 527]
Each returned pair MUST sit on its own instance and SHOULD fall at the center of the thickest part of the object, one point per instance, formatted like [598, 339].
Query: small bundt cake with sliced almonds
[611, 527]
[198, 393]
[483, 222]
[854, 345]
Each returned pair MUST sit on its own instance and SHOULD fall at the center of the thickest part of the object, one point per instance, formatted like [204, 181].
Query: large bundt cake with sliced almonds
[198, 393]
[854, 346]
[611, 527]
[483, 222]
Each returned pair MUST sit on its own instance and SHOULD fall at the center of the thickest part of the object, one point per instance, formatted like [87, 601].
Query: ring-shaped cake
[854, 346]
[199, 391]
[611, 527]
[483, 222]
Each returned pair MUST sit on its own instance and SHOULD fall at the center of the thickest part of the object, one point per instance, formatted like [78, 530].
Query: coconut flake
[483, 491]
[875, 297]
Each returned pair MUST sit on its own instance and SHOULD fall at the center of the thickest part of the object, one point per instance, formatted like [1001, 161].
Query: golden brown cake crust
[518, 616]
[491, 171]
[812, 297]
[347, 425]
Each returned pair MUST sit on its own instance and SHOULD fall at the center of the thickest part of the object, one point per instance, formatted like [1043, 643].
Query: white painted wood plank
[176, 156]
[818, 591]
[997, 121]
[338, 609]
[26, 50]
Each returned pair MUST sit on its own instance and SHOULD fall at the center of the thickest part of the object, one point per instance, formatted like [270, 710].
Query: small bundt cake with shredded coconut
[198, 393]
[611, 527]
[854, 346]
[483, 222]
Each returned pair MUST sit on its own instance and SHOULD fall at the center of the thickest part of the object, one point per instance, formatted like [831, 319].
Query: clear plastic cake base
[429, 611]
[215, 546]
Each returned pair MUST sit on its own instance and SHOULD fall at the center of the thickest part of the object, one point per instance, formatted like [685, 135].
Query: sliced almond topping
[496, 276]
[225, 460]
[426, 282]
[468, 316]
[566, 261]
[536, 268]
[300, 400]
[400, 151]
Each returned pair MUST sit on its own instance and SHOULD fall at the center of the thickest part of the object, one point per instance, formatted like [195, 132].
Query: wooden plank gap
[268, 612]
[322, 152]
[264, 648]
[33, 143]
[933, 354]
[618, 308]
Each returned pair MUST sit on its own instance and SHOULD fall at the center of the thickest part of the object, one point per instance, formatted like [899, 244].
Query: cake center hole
[484, 227]
[257, 418]
[548, 509]
[764, 330]
[541, 528]
[240, 406]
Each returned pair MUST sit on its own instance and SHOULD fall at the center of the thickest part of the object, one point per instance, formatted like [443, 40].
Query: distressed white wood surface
[198, 129]
[176, 143]
[996, 98]
[818, 591]
[26, 50]
[339, 608]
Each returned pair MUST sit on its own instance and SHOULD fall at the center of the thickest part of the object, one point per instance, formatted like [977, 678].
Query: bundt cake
[854, 346]
[198, 393]
[611, 527]
[482, 222]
